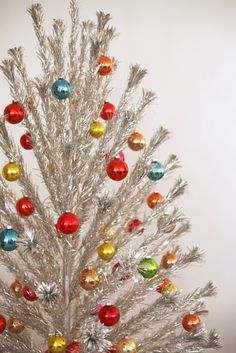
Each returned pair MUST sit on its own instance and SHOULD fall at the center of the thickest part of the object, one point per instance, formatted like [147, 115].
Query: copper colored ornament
[136, 141]
[126, 345]
[89, 278]
[154, 199]
[15, 325]
[17, 287]
[190, 322]
[107, 232]
[169, 259]
[105, 65]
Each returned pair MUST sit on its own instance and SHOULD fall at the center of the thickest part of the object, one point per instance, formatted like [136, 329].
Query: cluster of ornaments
[13, 324]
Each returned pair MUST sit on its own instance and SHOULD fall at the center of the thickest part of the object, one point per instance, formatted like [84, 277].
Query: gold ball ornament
[106, 251]
[89, 278]
[126, 345]
[136, 141]
[17, 287]
[163, 220]
[15, 325]
[169, 290]
[57, 344]
[107, 232]
[11, 171]
[97, 129]
[169, 259]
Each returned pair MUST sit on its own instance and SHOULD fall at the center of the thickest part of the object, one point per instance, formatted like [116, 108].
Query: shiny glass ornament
[8, 239]
[169, 259]
[14, 113]
[11, 171]
[15, 325]
[169, 290]
[2, 323]
[112, 349]
[105, 65]
[157, 172]
[29, 294]
[148, 267]
[17, 287]
[106, 251]
[135, 226]
[57, 344]
[89, 279]
[67, 223]
[190, 322]
[109, 315]
[162, 285]
[108, 111]
[136, 141]
[26, 142]
[154, 200]
[97, 129]
[162, 220]
[107, 232]
[61, 89]
[25, 207]
[73, 347]
[126, 345]
[117, 169]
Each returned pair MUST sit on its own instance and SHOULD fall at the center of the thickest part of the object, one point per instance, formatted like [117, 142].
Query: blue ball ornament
[157, 172]
[8, 239]
[61, 89]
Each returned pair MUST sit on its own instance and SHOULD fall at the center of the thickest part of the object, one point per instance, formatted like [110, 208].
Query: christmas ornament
[2, 323]
[61, 89]
[89, 278]
[73, 347]
[136, 141]
[26, 142]
[109, 315]
[94, 340]
[163, 220]
[29, 294]
[97, 129]
[123, 275]
[107, 232]
[29, 243]
[68, 223]
[106, 251]
[154, 199]
[11, 171]
[112, 349]
[8, 239]
[14, 113]
[135, 226]
[17, 287]
[15, 325]
[117, 169]
[108, 111]
[57, 344]
[25, 207]
[48, 293]
[105, 65]
[190, 322]
[126, 345]
[157, 172]
[120, 156]
[164, 283]
[169, 259]
[169, 290]
[148, 267]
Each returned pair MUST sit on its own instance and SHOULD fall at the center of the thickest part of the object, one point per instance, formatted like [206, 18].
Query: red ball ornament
[25, 141]
[154, 199]
[109, 315]
[108, 111]
[2, 323]
[73, 347]
[162, 285]
[67, 223]
[112, 349]
[29, 294]
[135, 226]
[117, 169]
[25, 207]
[190, 322]
[14, 113]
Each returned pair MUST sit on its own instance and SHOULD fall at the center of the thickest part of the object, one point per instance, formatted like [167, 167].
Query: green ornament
[148, 267]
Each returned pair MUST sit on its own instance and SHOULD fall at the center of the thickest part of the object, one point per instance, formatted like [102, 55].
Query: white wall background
[189, 49]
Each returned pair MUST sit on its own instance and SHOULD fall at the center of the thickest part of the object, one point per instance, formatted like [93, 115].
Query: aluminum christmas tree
[84, 262]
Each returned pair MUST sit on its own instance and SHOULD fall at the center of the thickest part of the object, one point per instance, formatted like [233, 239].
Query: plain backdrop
[189, 49]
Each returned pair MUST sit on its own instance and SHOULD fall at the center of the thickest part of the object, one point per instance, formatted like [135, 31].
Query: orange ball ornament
[17, 288]
[136, 141]
[89, 279]
[190, 322]
[169, 259]
[154, 200]
[15, 325]
[105, 65]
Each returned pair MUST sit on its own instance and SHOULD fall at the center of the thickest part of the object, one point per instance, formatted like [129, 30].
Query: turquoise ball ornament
[157, 172]
[61, 89]
[148, 267]
[8, 239]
